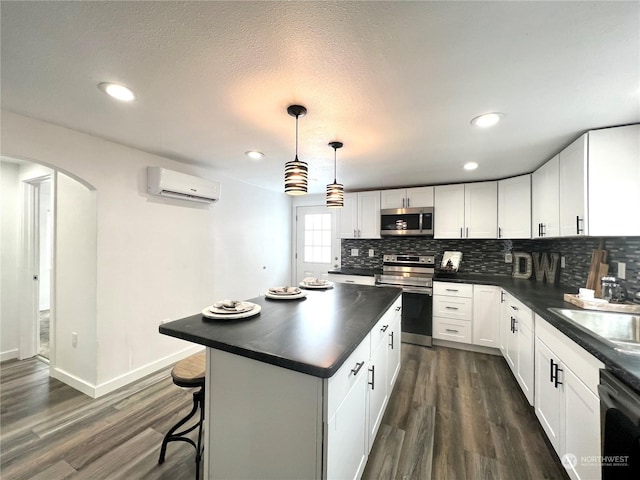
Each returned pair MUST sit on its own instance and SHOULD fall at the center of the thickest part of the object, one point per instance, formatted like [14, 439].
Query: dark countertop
[314, 335]
[541, 296]
[363, 272]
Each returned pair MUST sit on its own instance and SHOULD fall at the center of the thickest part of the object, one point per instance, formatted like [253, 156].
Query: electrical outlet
[371, 252]
[563, 261]
[74, 339]
[622, 270]
[354, 252]
[508, 258]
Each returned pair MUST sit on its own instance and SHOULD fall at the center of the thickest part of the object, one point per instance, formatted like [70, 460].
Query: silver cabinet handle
[398, 308]
[452, 290]
[450, 330]
[403, 203]
[578, 229]
[357, 368]
[467, 235]
[499, 232]
[373, 377]
[408, 202]
[514, 307]
[391, 337]
[384, 328]
[451, 308]
[461, 233]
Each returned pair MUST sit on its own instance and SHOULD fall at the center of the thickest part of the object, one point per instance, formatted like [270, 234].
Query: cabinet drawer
[452, 307]
[357, 279]
[339, 385]
[385, 324]
[453, 330]
[453, 289]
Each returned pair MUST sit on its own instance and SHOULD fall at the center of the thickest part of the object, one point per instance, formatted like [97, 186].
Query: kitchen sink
[620, 330]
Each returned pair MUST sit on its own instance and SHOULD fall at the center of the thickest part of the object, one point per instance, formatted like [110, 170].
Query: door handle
[357, 368]
[373, 377]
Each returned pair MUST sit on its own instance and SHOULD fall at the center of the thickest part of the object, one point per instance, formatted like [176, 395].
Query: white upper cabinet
[466, 211]
[614, 181]
[407, 197]
[545, 197]
[360, 216]
[573, 189]
[514, 207]
[449, 211]
[481, 210]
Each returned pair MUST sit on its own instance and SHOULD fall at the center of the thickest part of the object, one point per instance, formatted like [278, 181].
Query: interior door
[317, 246]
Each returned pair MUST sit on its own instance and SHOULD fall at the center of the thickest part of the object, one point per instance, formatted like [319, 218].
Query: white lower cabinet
[486, 315]
[377, 387]
[517, 342]
[566, 400]
[347, 442]
[357, 279]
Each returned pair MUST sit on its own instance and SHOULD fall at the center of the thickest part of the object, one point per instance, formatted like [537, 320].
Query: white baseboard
[138, 373]
[73, 381]
[97, 391]
[8, 355]
[467, 346]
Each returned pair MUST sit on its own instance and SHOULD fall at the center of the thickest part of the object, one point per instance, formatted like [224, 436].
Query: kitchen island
[299, 390]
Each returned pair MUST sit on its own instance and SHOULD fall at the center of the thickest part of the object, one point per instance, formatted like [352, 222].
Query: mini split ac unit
[167, 183]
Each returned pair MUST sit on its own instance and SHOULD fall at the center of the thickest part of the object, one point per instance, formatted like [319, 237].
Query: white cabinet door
[514, 207]
[525, 360]
[581, 412]
[396, 198]
[573, 189]
[449, 211]
[545, 198]
[347, 433]
[369, 214]
[511, 343]
[480, 210]
[348, 215]
[486, 315]
[360, 216]
[394, 350]
[548, 396]
[377, 389]
[420, 197]
[614, 181]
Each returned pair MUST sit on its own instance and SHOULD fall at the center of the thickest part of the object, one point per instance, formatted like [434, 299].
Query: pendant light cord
[296, 137]
[335, 150]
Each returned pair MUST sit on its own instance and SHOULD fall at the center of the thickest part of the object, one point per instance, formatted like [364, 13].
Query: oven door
[417, 315]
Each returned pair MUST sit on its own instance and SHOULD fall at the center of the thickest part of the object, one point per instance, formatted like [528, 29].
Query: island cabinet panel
[263, 422]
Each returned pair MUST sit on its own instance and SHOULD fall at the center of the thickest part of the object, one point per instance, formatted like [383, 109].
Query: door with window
[317, 248]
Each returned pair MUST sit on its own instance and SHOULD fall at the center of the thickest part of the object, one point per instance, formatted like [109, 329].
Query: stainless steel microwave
[406, 221]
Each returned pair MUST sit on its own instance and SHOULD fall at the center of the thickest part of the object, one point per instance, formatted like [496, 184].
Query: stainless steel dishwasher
[620, 422]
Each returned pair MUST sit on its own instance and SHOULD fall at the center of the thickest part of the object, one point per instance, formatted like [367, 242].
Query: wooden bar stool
[189, 373]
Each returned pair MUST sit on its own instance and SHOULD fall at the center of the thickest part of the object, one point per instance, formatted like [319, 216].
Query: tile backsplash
[487, 256]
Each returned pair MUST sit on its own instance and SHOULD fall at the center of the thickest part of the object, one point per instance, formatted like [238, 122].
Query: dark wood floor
[459, 415]
[453, 415]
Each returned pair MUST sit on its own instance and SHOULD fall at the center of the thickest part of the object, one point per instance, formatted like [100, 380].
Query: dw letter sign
[543, 265]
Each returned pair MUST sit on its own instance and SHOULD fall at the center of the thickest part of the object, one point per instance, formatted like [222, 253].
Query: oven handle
[422, 291]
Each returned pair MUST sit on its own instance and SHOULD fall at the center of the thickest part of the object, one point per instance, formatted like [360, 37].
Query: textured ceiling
[397, 82]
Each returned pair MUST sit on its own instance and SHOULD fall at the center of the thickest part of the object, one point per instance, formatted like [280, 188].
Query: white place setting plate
[319, 285]
[285, 293]
[231, 310]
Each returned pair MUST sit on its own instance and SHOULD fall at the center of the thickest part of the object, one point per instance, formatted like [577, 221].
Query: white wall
[157, 258]
[9, 222]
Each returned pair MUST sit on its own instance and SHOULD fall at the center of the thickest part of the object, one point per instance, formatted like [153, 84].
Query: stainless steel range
[414, 273]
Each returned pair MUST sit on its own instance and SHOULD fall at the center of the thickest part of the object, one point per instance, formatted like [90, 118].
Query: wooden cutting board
[596, 269]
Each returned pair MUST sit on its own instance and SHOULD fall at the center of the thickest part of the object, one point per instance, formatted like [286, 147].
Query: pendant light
[296, 172]
[335, 191]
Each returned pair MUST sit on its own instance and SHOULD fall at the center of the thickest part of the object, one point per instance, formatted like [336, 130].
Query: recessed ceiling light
[119, 92]
[253, 154]
[487, 119]
[470, 166]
